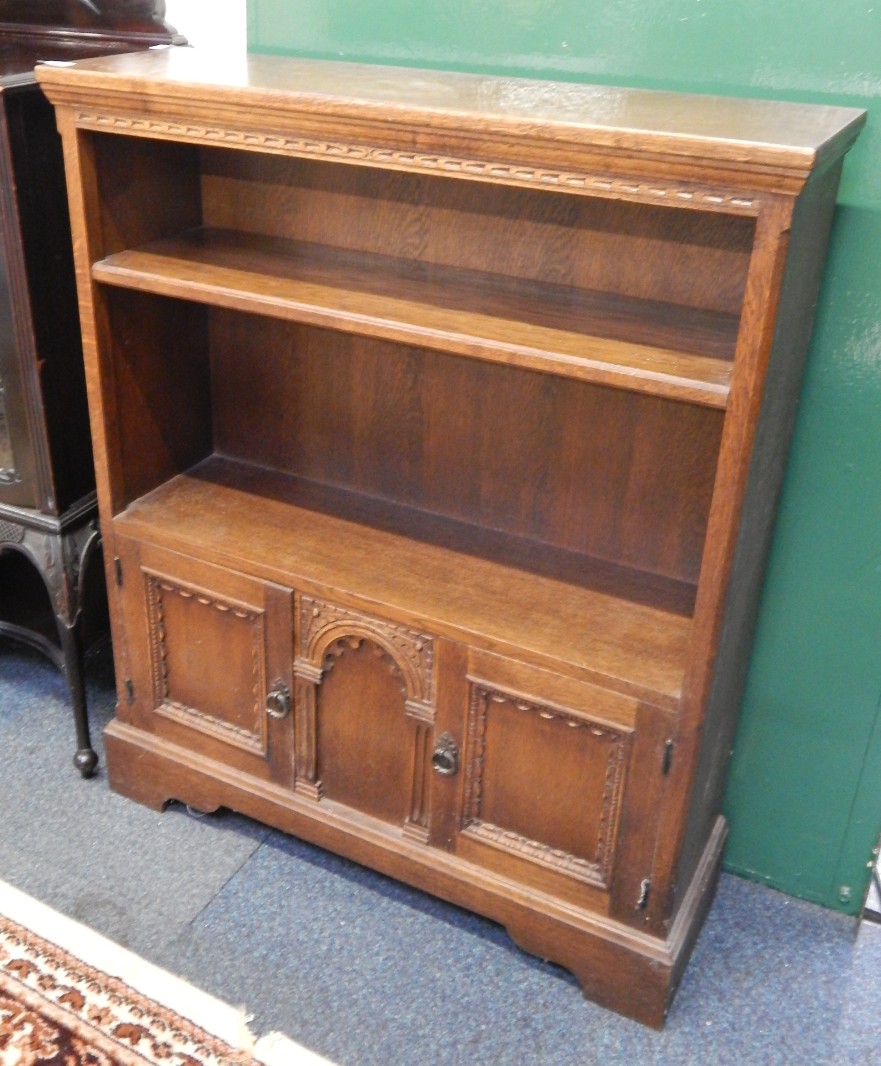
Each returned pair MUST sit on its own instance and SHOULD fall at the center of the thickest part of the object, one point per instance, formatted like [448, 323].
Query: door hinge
[644, 889]
[117, 563]
[130, 690]
[667, 760]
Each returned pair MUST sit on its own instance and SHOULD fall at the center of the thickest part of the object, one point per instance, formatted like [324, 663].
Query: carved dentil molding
[512, 173]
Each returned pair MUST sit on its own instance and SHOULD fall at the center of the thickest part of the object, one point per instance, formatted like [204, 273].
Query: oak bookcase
[439, 421]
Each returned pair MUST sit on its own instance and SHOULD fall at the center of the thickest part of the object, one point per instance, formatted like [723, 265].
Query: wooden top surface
[758, 133]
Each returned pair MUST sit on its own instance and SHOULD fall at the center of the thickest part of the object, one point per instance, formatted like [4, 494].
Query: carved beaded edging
[611, 811]
[191, 716]
[444, 164]
[596, 872]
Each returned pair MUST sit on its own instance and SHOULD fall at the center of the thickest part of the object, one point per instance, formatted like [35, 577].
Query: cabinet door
[365, 706]
[209, 656]
[552, 769]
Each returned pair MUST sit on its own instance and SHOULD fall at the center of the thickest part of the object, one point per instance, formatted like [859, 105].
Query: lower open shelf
[594, 621]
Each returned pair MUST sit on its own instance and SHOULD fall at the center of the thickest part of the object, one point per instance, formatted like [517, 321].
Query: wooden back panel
[598, 471]
[148, 189]
[695, 259]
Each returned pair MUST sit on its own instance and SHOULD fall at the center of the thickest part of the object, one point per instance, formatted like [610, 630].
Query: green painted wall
[804, 793]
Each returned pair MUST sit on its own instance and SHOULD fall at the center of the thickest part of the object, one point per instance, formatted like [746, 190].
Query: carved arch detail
[324, 633]
[322, 625]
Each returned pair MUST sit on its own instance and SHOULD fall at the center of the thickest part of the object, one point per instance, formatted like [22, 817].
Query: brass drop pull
[278, 700]
[445, 757]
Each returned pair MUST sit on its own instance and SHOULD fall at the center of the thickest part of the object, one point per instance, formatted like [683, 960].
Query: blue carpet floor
[366, 971]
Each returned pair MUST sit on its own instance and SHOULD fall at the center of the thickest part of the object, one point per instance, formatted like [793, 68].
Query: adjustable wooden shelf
[439, 421]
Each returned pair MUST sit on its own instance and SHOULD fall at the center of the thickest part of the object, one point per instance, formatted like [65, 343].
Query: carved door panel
[365, 707]
[209, 653]
[548, 780]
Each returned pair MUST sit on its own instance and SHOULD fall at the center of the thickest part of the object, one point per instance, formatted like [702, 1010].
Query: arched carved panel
[321, 624]
[365, 705]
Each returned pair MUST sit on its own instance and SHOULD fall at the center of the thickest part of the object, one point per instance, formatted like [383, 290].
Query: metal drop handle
[278, 700]
[445, 757]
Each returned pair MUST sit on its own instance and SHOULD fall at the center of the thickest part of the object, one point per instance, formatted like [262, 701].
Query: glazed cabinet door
[18, 475]
[208, 653]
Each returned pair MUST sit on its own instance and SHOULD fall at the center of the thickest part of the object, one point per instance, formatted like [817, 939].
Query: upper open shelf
[636, 344]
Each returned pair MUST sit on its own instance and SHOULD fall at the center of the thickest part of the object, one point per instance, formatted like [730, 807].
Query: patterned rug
[58, 1010]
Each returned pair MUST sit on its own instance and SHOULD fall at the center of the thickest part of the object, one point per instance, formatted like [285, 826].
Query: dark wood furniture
[49, 539]
[439, 421]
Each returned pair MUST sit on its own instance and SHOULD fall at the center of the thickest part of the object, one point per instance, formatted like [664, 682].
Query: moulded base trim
[619, 967]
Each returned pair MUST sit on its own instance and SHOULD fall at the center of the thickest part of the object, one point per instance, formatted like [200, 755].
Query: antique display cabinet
[51, 580]
[439, 421]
